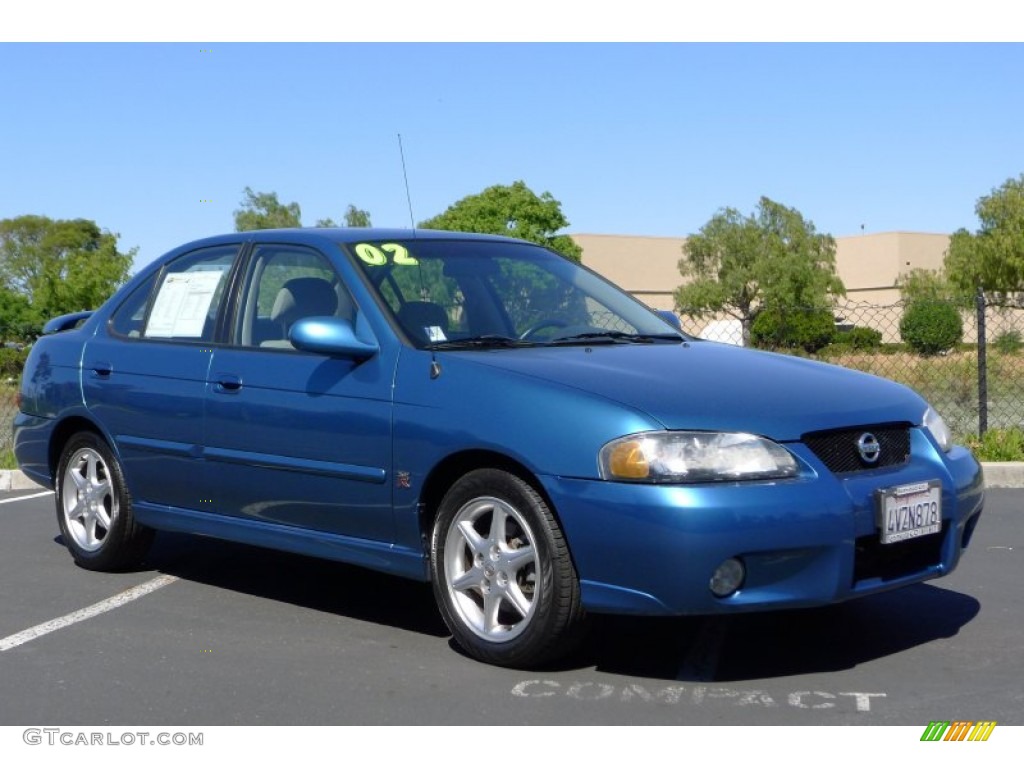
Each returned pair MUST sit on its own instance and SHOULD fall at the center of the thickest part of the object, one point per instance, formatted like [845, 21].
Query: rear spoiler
[66, 322]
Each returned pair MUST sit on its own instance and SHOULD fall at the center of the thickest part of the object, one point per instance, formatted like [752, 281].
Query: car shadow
[759, 646]
[752, 646]
[354, 592]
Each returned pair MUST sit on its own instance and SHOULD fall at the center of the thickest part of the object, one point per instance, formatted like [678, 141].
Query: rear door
[144, 375]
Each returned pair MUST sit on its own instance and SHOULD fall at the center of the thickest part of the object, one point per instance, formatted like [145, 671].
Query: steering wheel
[550, 322]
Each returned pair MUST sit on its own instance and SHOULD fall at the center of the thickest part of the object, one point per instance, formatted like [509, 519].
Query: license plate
[909, 511]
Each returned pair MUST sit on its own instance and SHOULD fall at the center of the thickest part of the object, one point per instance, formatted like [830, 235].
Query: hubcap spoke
[77, 475]
[102, 517]
[492, 604]
[469, 580]
[90, 529]
[515, 559]
[518, 600]
[102, 489]
[496, 534]
[72, 506]
[475, 541]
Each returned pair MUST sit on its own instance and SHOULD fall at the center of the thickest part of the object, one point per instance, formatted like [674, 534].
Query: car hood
[710, 386]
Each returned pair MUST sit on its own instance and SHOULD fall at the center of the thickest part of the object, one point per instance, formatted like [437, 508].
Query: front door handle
[228, 383]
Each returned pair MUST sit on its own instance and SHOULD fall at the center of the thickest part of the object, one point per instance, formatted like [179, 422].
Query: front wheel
[501, 571]
[94, 508]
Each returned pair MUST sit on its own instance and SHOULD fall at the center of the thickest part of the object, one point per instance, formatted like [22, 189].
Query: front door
[296, 438]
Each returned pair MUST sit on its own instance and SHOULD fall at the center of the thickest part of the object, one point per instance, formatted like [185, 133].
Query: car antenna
[435, 367]
[405, 176]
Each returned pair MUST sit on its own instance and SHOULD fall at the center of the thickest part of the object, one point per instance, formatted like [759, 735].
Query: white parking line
[23, 498]
[13, 641]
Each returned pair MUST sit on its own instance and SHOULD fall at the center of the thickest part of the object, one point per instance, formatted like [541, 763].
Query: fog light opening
[728, 577]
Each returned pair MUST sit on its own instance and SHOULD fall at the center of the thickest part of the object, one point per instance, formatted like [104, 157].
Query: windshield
[478, 293]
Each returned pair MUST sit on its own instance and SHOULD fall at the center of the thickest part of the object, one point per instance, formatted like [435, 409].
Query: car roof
[346, 235]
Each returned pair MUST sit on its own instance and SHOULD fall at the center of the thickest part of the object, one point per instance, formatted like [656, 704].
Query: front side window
[462, 290]
[283, 284]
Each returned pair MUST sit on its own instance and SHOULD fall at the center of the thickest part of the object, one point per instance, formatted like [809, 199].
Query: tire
[94, 508]
[502, 575]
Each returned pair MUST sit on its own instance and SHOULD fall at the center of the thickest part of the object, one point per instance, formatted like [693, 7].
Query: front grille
[874, 560]
[838, 450]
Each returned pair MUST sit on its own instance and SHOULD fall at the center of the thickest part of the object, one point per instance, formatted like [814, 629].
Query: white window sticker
[435, 333]
[182, 305]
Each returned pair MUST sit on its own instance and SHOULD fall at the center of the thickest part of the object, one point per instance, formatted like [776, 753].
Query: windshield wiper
[484, 341]
[616, 337]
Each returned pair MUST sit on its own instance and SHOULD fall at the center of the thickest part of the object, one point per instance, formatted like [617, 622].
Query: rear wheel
[502, 575]
[94, 508]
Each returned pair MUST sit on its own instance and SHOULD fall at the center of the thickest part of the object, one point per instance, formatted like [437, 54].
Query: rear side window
[188, 296]
[181, 301]
[130, 317]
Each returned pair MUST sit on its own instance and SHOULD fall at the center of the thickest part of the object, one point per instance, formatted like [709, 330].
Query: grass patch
[8, 409]
[998, 445]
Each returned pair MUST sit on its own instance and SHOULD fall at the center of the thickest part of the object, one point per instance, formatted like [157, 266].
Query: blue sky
[156, 141]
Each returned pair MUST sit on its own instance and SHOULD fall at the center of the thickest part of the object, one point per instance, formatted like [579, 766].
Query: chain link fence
[12, 360]
[968, 362]
[13, 352]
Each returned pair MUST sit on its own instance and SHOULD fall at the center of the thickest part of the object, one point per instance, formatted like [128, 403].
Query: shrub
[931, 326]
[12, 362]
[806, 329]
[1008, 342]
[859, 338]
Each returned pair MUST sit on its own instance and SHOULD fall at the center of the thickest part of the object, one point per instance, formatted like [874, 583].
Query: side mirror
[669, 317]
[330, 336]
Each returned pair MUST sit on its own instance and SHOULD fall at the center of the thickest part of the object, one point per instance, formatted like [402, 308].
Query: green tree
[992, 258]
[18, 319]
[513, 210]
[773, 259]
[60, 266]
[262, 210]
[354, 217]
[931, 284]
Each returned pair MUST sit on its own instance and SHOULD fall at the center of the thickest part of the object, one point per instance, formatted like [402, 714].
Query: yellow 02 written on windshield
[378, 255]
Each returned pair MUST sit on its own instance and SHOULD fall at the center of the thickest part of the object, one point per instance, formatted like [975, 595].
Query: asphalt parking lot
[220, 634]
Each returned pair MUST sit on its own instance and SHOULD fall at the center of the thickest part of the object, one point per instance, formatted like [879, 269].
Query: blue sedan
[481, 413]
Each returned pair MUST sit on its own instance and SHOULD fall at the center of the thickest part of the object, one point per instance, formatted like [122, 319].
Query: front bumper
[813, 540]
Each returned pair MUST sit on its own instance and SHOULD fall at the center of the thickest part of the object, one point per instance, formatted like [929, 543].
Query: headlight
[694, 457]
[938, 428]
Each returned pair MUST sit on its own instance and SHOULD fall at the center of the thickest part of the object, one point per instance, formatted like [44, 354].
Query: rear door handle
[101, 369]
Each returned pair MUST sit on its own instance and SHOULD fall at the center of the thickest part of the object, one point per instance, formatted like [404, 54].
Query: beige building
[868, 265]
